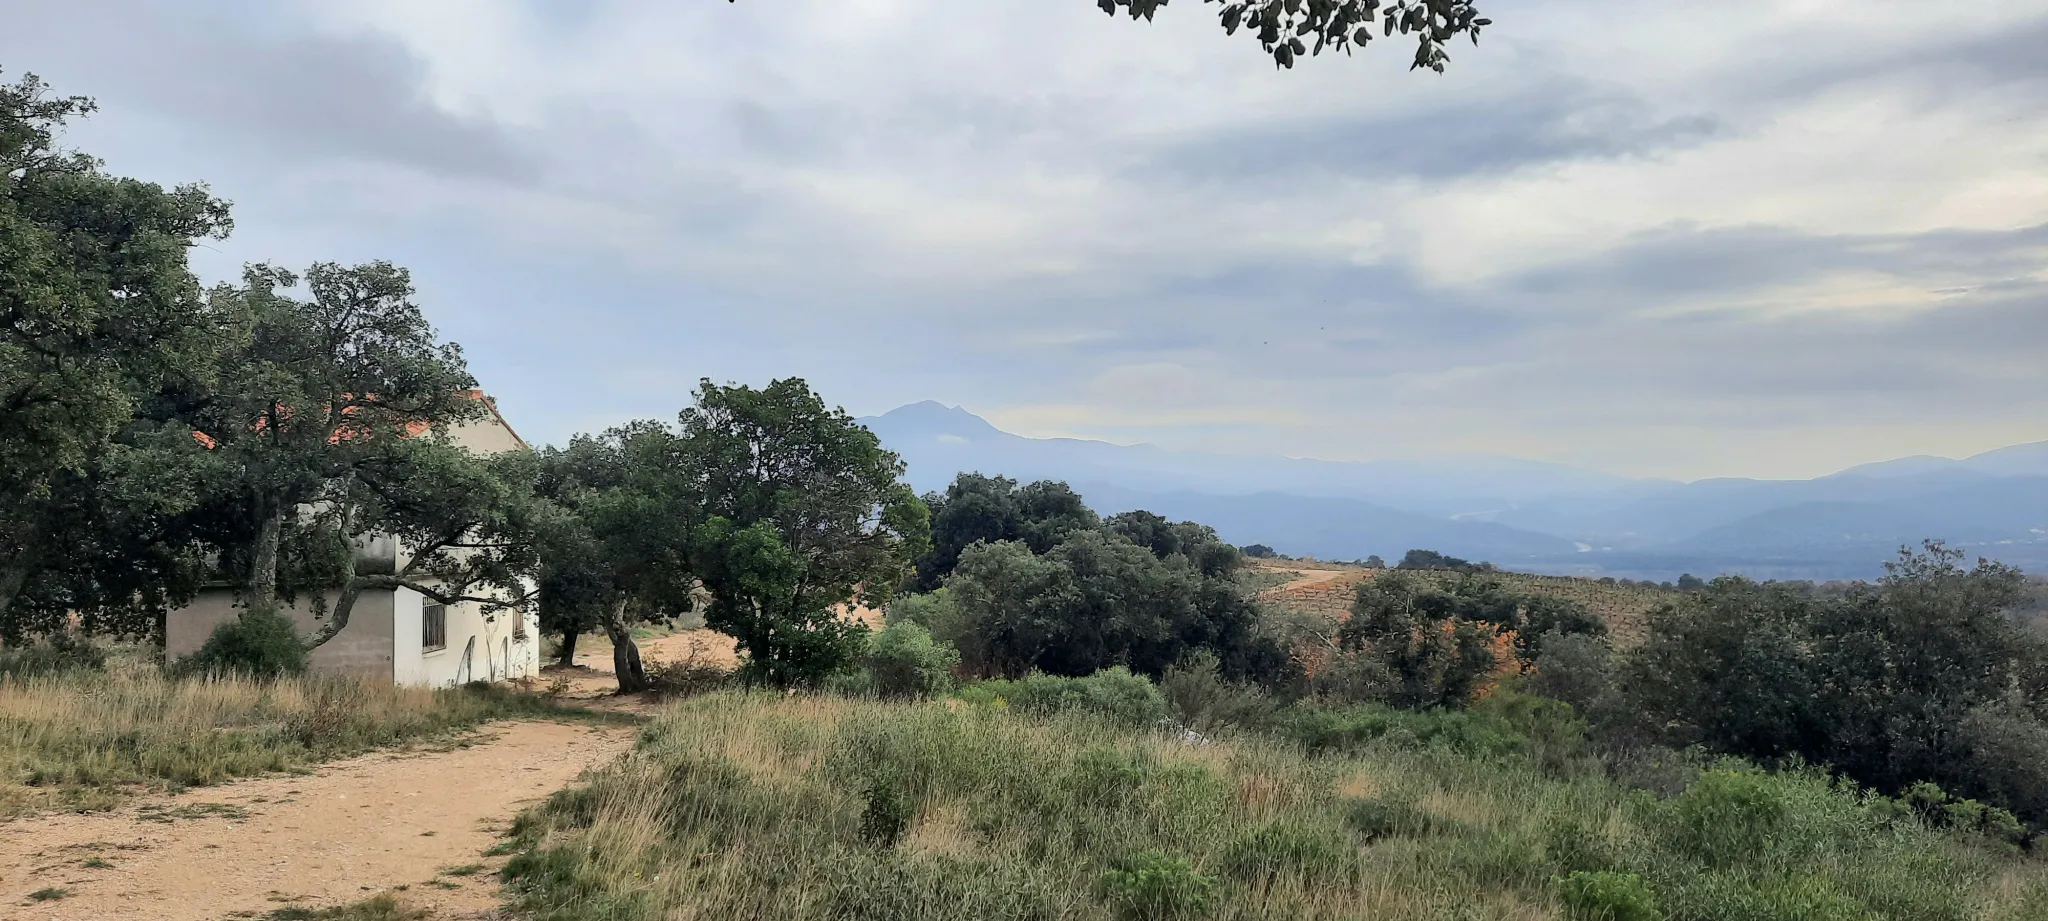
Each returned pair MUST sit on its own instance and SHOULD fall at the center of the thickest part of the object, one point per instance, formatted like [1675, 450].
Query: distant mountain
[940, 441]
[1522, 514]
[1333, 529]
[2018, 460]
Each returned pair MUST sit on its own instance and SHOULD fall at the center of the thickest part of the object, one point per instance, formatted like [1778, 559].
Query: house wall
[487, 435]
[363, 648]
[479, 648]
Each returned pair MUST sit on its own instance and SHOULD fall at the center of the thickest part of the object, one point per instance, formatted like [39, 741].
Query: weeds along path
[334, 836]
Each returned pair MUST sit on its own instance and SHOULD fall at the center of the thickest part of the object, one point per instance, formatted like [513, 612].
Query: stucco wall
[363, 648]
[477, 650]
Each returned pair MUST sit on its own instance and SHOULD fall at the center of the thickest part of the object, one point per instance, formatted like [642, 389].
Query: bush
[1726, 817]
[261, 643]
[1606, 896]
[887, 813]
[1575, 668]
[906, 662]
[59, 653]
[1339, 730]
[1201, 700]
[686, 677]
[1114, 694]
[1313, 853]
[1353, 678]
[1151, 886]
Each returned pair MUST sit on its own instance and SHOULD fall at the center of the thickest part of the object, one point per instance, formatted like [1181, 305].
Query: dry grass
[809, 809]
[85, 739]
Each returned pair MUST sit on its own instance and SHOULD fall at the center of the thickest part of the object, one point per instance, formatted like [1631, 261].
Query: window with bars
[518, 624]
[434, 627]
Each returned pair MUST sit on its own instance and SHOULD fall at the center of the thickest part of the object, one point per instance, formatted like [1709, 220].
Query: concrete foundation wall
[363, 648]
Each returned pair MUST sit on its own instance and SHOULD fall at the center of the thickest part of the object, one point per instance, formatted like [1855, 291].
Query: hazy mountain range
[1522, 514]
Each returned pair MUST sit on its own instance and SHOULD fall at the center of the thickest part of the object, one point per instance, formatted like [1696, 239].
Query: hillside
[1325, 591]
[818, 809]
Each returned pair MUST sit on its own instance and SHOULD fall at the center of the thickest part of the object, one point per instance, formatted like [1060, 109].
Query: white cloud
[1686, 239]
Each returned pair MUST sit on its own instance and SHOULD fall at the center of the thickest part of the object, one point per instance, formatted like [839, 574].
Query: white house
[398, 635]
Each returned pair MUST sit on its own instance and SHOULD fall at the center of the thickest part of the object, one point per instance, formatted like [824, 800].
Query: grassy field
[86, 739]
[755, 806]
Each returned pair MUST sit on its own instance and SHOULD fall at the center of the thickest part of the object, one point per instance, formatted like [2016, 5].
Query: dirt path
[1310, 577]
[350, 829]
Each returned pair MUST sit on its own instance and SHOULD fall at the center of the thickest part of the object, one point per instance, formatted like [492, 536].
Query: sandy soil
[390, 820]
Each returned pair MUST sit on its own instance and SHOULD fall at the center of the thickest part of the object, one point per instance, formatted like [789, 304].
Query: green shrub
[887, 813]
[1201, 700]
[261, 643]
[1726, 817]
[1339, 730]
[1152, 886]
[1311, 852]
[1114, 694]
[906, 662]
[1572, 845]
[61, 652]
[1603, 896]
[1104, 776]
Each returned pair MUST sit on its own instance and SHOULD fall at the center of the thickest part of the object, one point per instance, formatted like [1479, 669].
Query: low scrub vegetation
[739, 805]
[82, 739]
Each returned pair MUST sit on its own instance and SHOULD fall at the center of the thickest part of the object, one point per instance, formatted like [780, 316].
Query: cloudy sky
[1678, 238]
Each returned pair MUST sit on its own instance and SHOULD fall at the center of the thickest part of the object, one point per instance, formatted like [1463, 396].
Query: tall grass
[82, 739]
[754, 806]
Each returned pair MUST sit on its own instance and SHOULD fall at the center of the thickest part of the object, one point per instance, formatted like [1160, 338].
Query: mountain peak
[931, 417]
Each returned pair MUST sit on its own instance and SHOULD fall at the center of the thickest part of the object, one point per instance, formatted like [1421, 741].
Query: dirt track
[348, 830]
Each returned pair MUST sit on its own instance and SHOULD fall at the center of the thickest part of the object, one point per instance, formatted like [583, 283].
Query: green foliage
[320, 390]
[801, 509]
[1925, 677]
[1259, 552]
[993, 509]
[1727, 817]
[764, 509]
[1430, 560]
[756, 805]
[1437, 647]
[98, 313]
[1138, 591]
[887, 814]
[1606, 896]
[1151, 886]
[906, 662]
[1113, 694]
[1351, 729]
[260, 643]
[1290, 31]
[1202, 700]
[1313, 853]
[1376, 818]
[56, 654]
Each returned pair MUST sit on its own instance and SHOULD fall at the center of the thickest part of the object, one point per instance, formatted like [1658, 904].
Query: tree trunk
[13, 575]
[351, 587]
[566, 657]
[625, 653]
[337, 619]
[263, 558]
